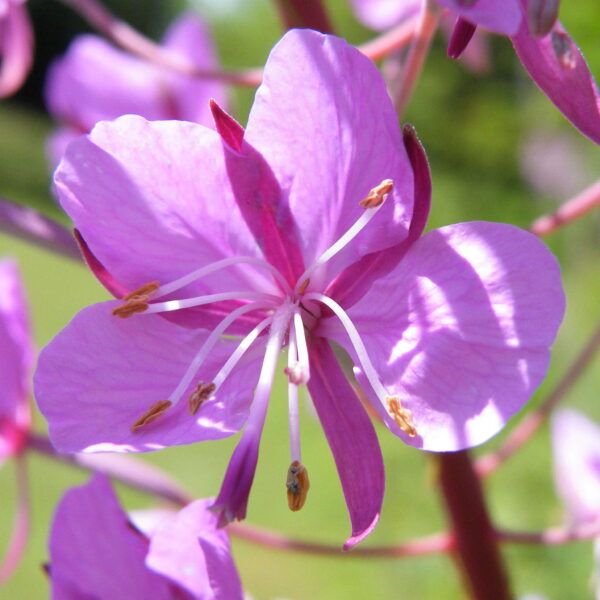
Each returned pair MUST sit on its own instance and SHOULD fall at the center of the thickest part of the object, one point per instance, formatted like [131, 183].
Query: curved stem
[572, 209]
[534, 420]
[20, 531]
[475, 542]
[553, 536]
[125, 36]
[426, 28]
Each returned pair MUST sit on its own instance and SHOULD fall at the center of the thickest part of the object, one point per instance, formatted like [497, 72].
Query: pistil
[297, 484]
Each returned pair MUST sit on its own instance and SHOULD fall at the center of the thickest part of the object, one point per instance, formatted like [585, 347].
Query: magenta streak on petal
[352, 440]
[352, 283]
[16, 49]
[260, 199]
[462, 33]
[558, 68]
[104, 277]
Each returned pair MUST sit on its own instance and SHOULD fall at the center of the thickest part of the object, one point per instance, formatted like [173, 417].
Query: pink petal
[16, 359]
[576, 447]
[84, 564]
[351, 438]
[329, 132]
[101, 373]
[500, 17]
[383, 14]
[558, 68]
[461, 330]
[191, 38]
[136, 193]
[189, 549]
[16, 48]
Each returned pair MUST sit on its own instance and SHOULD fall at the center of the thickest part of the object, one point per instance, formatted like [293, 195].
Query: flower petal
[135, 192]
[382, 14]
[16, 48]
[101, 373]
[558, 68]
[576, 448]
[351, 438]
[329, 132]
[500, 17]
[16, 359]
[84, 564]
[188, 548]
[460, 331]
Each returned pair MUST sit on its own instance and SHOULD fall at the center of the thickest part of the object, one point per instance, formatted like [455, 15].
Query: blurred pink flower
[96, 552]
[16, 46]
[95, 81]
[304, 228]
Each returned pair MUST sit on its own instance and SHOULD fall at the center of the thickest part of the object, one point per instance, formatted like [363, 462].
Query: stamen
[302, 347]
[402, 416]
[378, 194]
[372, 203]
[154, 412]
[294, 379]
[208, 345]
[199, 396]
[136, 302]
[170, 305]
[297, 484]
[217, 266]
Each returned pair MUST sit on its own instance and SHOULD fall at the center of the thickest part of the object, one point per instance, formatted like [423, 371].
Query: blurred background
[499, 151]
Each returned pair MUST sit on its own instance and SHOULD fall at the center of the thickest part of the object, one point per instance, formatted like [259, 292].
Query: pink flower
[303, 229]
[576, 445]
[95, 81]
[95, 551]
[545, 49]
[16, 360]
[16, 46]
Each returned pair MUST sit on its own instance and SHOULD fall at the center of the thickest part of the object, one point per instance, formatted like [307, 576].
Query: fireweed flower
[95, 81]
[545, 49]
[16, 46]
[16, 359]
[186, 557]
[302, 229]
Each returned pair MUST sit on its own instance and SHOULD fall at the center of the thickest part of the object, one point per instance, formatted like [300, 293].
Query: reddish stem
[554, 535]
[536, 418]
[475, 542]
[572, 209]
[304, 13]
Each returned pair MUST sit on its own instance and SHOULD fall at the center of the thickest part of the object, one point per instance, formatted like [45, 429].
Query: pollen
[136, 302]
[378, 194]
[297, 485]
[154, 412]
[402, 416]
[199, 396]
[303, 287]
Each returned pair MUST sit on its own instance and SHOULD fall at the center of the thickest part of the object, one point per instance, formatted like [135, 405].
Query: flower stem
[572, 209]
[553, 536]
[426, 28]
[304, 13]
[475, 541]
[533, 421]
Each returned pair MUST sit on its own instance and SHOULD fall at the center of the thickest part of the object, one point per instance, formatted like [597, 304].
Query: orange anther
[402, 416]
[142, 292]
[378, 194]
[156, 410]
[297, 486]
[199, 396]
[136, 302]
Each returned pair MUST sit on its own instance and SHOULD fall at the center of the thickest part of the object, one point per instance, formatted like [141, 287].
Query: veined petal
[101, 373]
[500, 17]
[16, 48]
[460, 331]
[558, 68]
[188, 548]
[576, 449]
[84, 564]
[16, 359]
[351, 438]
[329, 132]
[137, 194]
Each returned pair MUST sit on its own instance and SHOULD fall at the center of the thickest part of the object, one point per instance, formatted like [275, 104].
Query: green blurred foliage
[473, 127]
